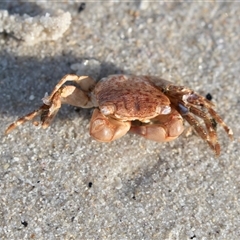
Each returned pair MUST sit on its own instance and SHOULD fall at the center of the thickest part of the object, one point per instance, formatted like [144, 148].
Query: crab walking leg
[163, 128]
[27, 118]
[107, 129]
[64, 95]
[219, 120]
[212, 142]
[86, 84]
[211, 134]
[68, 94]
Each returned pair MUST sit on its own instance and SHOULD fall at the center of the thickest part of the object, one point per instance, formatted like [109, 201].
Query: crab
[146, 105]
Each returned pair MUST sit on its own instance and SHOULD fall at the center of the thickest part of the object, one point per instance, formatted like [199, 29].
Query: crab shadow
[21, 8]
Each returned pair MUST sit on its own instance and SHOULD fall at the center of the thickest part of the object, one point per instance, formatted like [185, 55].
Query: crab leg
[187, 101]
[43, 109]
[212, 142]
[211, 129]
[219, 120]
[65, 95]
[86, 84]
[60, 95]
[194, 99]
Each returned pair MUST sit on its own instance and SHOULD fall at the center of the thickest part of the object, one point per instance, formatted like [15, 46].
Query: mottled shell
[130, 98]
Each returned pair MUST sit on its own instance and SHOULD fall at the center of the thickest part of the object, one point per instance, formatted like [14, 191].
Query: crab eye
[108, 109]
[163, 109]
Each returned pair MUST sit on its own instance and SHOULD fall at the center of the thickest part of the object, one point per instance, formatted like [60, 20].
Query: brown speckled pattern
[134, 97]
